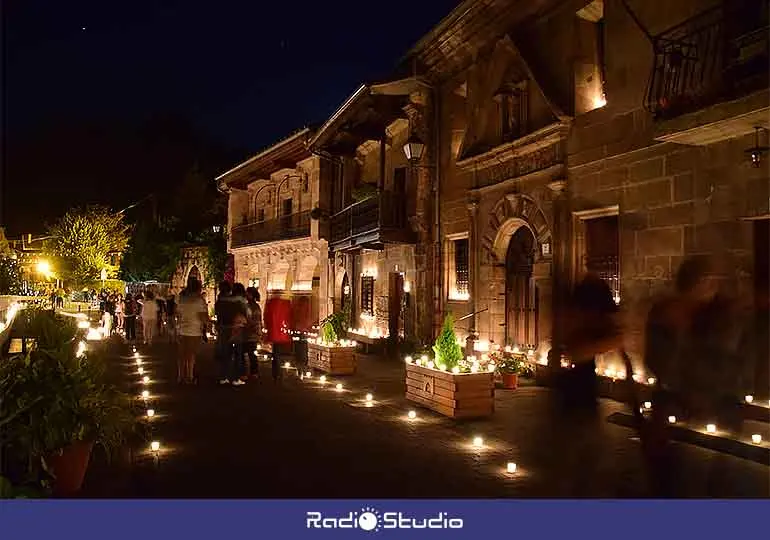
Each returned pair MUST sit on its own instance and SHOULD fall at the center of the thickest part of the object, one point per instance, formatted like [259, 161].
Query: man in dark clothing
[227, 309]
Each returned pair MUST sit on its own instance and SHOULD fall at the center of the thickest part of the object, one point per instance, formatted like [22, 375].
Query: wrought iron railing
[387, 210]
[282, 228]
[720, 54]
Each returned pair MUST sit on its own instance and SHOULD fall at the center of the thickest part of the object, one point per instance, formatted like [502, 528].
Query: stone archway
[516, 251]
[194, 273]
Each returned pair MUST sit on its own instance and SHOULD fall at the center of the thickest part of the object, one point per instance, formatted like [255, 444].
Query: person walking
[171, 318]
[227, 309]
[119, 313]
[129, 317]
[193, 321]
[239, 369]
[253, 329]
[278, 324]
[149, 317]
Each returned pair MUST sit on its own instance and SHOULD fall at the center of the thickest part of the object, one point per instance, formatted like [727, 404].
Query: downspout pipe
[437, 269]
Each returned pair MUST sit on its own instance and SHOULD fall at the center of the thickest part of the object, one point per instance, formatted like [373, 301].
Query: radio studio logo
[371, 520]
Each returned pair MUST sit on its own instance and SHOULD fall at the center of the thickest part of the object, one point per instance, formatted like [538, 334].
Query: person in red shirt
[278, 323]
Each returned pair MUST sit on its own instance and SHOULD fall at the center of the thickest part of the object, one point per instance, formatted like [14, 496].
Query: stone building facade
[192, 263]
[556, 137]
[275, 243]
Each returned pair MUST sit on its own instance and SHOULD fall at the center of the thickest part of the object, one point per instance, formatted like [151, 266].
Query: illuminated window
[602, 248]
[458, 268]
[367, 295]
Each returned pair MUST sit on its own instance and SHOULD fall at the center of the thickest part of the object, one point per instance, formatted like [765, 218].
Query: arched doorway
[345, 293]
[521, 297]
[194, 273]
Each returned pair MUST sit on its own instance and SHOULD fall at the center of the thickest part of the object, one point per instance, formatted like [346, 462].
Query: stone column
[474, 252]
[424, 184]
[560, 240]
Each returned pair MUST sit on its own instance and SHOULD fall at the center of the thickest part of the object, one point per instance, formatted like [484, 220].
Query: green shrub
[448, 352]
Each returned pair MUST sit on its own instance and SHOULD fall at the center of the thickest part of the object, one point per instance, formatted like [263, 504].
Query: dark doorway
[395, 305]
[760, 338]
[521, 297]
[194, 273]
[345, 293]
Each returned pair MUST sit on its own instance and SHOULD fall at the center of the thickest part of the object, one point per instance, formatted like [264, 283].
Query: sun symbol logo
[369, 520]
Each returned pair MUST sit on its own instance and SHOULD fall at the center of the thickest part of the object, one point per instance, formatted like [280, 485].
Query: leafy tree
[153, 254]
[82, 241]
[448, 352]
[10, 276]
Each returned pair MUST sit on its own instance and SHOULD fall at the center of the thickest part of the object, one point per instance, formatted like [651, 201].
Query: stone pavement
[301, 440]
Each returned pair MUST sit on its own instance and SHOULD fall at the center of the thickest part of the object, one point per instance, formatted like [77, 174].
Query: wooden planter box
[467, 395]
[331, 360]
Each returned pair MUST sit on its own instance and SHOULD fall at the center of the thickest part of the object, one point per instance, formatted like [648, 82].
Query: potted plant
[58, 404]
[448, 383]
[329, 353]
[510, 366]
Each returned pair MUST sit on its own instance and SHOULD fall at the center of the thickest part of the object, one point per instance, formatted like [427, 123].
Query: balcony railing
[718, 55]
[282, 228]
[371, 220]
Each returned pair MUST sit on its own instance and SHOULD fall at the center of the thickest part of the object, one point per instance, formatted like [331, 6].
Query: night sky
[96, 93]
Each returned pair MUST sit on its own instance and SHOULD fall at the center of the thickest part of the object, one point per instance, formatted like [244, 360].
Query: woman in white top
[149, 316]
[193, 318]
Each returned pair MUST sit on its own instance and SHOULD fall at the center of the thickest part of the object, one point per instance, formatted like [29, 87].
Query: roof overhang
[283, 154]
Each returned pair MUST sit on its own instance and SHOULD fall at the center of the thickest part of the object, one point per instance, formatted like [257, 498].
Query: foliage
[364, 191]
[82, 241]
[216, 256]
[10, 276]
[8, 490]
[5, 248]
[52, 397]
[510, 363]
[153, 253]
[333, 326]
[448, 352]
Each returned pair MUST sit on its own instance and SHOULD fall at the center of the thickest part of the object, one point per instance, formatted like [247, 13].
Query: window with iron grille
[462, 270]
[602, 250]
[367, 295]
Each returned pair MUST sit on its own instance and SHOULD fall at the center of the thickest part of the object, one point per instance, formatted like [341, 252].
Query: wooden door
[521, 298]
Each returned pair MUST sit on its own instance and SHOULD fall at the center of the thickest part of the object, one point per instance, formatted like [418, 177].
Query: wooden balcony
[709, 80]
[261, 232]
[371, 223]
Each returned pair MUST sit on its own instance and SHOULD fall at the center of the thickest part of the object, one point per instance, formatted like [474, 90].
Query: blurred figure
[755, 344]
[253, 329]
[239, 370]
[278, 322]
[230, 312]
[302, 314]
[171, 316]
[149, 317]
[193, 321]
[119, 312]
[129, 317]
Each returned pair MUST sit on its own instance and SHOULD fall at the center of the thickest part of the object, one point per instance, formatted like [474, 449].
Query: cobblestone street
[300, 440]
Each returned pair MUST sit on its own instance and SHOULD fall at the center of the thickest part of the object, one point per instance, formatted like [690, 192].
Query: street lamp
[44, 268]
[414, 148]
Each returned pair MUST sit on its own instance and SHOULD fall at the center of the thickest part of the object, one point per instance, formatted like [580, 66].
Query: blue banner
[224, 519]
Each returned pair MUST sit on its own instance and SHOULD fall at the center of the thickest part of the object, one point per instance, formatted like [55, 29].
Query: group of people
[241, 330]
[705, 348]
[155, 314]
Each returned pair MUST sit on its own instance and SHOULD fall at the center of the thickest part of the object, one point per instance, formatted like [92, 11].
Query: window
[458, 257]
[513, 112]
[367, 295]
[602, 247]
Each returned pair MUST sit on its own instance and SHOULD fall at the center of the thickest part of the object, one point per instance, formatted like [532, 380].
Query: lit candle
[323, 378]
[150, 413]
[490, 367]
[155, 446]
[648, 405]
[146, 379]
[756, 438]
[711, 428]
[455, 370]
[672, 419]
[308, 374]
[339, 387]
[424, 358]
[408, 359]
[474, 368]
[431, 365]
[136, 354]
[651, 380]
[369, 397]
[141, 370]
[138, 361]
[145, 394]
[286, 365]
[511, 467]
[412, 415]
[749, 398]
[478, 442]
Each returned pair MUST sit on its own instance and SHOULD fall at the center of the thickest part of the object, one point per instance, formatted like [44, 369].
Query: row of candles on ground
[374, 333]
[145, 395]
[756, 438]
[411, 416]
[430, 364]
